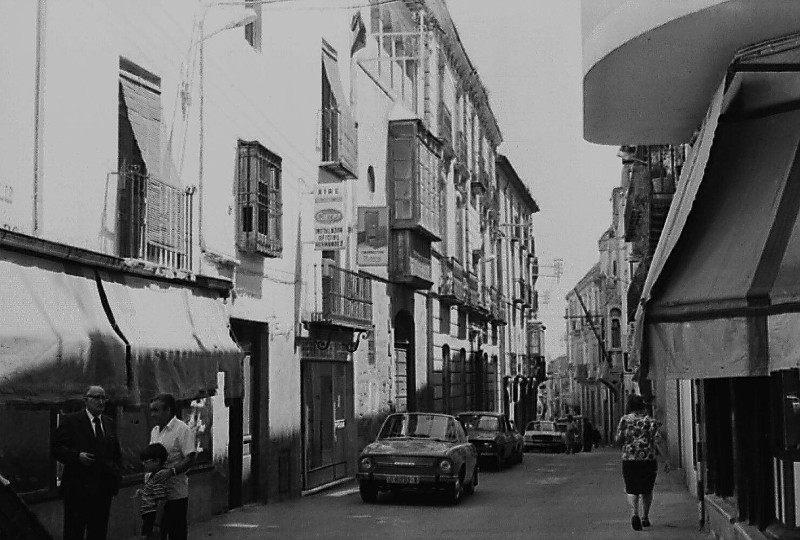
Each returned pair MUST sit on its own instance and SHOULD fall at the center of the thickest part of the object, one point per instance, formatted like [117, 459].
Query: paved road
[548, 496]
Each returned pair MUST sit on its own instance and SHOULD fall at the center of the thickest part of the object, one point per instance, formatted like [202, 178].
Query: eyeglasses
[102, 398]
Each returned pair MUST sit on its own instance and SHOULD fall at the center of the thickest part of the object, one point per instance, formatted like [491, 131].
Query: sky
[528, 55]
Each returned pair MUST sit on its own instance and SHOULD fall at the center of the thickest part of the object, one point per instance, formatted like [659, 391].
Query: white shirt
[178, 439]
[94, 426]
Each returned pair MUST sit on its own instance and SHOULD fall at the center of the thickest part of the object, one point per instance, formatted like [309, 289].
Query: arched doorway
[405, 368]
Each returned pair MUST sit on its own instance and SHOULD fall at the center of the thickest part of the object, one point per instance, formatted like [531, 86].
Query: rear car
[545, 435]
[420, 451]
[493, 436]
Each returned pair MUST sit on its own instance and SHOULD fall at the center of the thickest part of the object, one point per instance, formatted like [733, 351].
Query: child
[153, 491]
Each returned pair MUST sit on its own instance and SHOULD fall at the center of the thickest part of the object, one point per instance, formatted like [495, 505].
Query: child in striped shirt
[154, 490]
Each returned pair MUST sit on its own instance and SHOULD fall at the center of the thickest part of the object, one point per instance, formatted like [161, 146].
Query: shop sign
[329, 212]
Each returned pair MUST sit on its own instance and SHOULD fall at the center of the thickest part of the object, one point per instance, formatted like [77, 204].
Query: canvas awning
[178, 338]
[55, 338]
[689, 183]
[729, 271]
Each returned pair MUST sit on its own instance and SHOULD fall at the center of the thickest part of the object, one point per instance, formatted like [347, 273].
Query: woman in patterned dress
[639, 435]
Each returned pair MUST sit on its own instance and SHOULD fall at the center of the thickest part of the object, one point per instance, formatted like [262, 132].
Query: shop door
[327, 411]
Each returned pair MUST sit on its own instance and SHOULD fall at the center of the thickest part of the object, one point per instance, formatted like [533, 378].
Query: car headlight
[366, 463]
[446, 466]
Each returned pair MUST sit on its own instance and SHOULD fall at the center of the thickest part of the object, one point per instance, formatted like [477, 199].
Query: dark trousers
[173, 520]
[86, 515]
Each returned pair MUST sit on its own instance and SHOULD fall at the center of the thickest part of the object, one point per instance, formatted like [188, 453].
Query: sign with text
[373, 236]
[329, 224]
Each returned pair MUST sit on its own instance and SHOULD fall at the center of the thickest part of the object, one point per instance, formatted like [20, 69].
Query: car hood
[408, 447]
[531, 433]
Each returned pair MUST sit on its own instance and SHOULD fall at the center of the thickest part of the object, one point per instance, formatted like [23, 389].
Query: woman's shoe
[636, 523]
[645, 522]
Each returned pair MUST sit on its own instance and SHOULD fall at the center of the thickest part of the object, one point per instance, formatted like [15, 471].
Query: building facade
[293, 260]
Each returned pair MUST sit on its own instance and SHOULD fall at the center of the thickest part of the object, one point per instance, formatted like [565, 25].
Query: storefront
[73, 318]
[721, 300]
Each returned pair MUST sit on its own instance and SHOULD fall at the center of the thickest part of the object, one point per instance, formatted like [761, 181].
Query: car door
[466, 451]
[505, 437]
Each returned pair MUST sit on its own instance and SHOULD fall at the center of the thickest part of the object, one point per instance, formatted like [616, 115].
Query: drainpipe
[38, 117]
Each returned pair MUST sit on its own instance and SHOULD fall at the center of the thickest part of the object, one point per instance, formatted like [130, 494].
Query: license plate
[403, 479]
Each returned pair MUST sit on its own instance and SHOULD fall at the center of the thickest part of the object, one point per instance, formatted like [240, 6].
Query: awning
[331, 67]
[708, 316]
[178, 338]
[55, 338]
[688, 184]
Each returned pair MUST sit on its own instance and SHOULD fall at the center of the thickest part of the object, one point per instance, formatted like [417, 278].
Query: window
[371, 179]
[260, 219]
[338, 136]
[616, 329]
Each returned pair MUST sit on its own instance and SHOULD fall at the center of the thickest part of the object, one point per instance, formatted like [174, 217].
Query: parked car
[418, 451]
[545, 435]
[494, 437]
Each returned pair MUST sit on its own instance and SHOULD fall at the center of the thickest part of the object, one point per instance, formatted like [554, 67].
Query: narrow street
[549, 496]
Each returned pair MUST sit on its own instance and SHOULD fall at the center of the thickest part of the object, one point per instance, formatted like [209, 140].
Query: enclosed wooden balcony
[339, 144]
[410, 260]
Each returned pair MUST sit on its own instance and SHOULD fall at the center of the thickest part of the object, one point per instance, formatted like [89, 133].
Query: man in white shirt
[179, 441]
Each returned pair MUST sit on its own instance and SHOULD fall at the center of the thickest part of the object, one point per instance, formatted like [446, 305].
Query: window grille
[260, 220]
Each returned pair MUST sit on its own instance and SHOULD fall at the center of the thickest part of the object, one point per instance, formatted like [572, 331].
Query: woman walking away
[640, 439]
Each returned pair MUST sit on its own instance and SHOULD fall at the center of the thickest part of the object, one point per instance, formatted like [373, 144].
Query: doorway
[249, 416]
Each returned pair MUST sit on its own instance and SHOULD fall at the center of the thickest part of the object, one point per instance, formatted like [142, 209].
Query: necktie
[98, 428]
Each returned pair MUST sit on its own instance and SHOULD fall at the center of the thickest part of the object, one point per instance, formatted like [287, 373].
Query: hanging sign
[329, 224]
[373, 236]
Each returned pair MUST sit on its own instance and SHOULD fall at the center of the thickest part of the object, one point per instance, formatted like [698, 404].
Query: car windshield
[480, 422]
[423, 426]
[541, 426]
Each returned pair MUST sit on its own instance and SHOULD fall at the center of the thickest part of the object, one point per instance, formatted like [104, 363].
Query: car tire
[456, 490]
[469, 489]
[368, 492]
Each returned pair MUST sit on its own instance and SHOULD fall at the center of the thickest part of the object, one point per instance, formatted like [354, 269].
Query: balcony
[343, 299]
[452, 289]
[413, 178]
[446, 131]
[462, 155]
[501, 316]
[339, 144]
[522, 293]
[410, 260]
[155, 221]
[473, 292]
[480, 177]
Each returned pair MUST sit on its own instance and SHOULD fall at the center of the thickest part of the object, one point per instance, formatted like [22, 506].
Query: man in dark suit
[86, 443]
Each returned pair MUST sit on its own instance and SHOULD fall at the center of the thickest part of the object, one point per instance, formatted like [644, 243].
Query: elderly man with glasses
[86, 443]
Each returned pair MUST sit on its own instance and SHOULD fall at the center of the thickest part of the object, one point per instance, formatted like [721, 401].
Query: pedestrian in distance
[588, 439]
[179, 441]
[571, 434]
[86, 443]
[153, 458]
[638, 433]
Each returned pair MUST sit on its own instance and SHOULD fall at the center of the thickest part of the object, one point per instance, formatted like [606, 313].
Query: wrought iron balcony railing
[154, 221]
[342, 298]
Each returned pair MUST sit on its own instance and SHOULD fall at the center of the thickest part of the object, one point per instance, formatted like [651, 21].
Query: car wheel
[368, 491]
[454, 495]
[470, 488]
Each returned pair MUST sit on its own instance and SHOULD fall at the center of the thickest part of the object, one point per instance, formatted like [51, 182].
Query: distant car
[418, 451]
[545, 435]
[494, 437]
